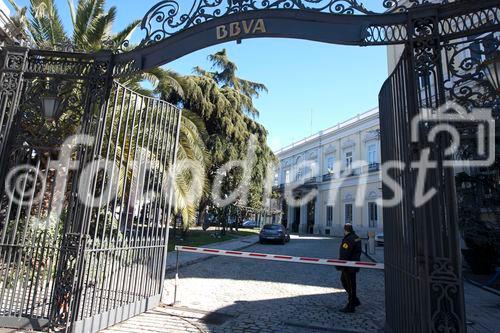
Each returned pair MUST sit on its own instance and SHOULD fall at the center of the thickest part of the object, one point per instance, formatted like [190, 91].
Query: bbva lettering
[247, 27]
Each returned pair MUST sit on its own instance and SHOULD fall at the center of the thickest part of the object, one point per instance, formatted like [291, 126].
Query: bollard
[176, 283]
[371, 242]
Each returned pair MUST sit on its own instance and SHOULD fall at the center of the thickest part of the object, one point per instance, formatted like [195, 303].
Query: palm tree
[225, 102]
[225, 76]
[91, 32]
[220, 103]
[92, 25]
[192, 147]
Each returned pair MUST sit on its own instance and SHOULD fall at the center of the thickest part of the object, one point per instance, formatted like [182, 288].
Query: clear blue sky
[329, 82]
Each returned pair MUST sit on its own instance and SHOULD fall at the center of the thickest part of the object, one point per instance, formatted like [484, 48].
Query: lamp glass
[492, 72]
[51, 107]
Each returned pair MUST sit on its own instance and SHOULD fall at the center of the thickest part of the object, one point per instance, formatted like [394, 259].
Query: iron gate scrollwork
[12, 69]
[168, 17]
[184, 27]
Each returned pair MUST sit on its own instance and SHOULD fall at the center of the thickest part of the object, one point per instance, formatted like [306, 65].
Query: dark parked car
[274, 233]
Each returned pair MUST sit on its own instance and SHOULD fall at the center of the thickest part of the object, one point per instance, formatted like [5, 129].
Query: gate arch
[344, 22]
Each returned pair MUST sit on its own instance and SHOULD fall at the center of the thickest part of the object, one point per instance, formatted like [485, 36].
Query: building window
[330, 164]
[298, 176]
[372, 215]
[308, 172]
[372, 154]
[287, 176]
[481, 47]
[329, 216]
[348, 160]
[348, 213]
[425, 81]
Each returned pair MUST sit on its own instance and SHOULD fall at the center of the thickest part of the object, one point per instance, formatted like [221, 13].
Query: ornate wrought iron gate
[423, 264]
[120, 269]
[71, 259]
[37, 234]
[83, 220]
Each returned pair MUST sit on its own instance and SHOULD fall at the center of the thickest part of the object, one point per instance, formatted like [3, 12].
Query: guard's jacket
[350, 249]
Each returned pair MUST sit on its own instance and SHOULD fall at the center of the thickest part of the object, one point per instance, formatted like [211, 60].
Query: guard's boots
[348, 309]
[357, 302]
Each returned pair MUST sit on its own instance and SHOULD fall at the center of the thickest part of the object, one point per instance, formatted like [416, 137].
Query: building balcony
[311, 180]
[279, 188]
[370, 168]
[328, 177]
[374, 167]
[299, 183]
[350, 172]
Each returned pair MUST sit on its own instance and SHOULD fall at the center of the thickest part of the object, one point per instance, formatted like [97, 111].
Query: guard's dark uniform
[350, 250]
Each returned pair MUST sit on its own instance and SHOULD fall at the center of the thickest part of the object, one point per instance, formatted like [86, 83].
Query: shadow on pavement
[311, 313]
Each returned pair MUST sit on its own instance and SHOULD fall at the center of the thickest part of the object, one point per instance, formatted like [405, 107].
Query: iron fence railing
[126, 233]
[403, 299]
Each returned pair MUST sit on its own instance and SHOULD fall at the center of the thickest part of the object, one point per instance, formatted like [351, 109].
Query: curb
[196, 261]
[369, 257]
[488, 289]
[320, 328]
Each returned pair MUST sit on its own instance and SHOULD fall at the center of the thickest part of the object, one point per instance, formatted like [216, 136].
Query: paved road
[234, 295]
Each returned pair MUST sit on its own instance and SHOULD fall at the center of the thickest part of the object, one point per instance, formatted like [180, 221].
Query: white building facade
[342, 165]
[10, 33]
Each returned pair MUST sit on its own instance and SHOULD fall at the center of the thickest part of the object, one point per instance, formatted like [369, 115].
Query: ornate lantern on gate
[52, 101]
[491, 69]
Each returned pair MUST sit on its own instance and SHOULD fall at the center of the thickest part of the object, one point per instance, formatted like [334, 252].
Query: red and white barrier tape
[284, 258]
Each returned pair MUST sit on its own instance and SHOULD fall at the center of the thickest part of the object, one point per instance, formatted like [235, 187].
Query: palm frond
[126, 33]
[15, 6]
[46, 25]
[86, 14]
[72, 12]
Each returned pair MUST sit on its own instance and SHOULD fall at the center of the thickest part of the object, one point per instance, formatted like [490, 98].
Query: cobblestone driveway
[225, 294]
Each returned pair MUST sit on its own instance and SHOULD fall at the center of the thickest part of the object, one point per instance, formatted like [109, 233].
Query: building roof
[4, 8]
[373, 113]
[5, 23]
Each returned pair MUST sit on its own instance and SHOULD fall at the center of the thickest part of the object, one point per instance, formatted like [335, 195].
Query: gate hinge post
[14, 63]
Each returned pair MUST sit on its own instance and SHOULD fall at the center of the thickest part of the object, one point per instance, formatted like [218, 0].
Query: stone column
[318, 223]
[303, 219]
[290, 217]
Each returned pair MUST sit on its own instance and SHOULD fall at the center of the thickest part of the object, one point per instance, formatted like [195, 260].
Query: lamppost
[491, 69]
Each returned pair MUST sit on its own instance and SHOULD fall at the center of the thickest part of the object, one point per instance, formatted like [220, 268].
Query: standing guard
[350, 250]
